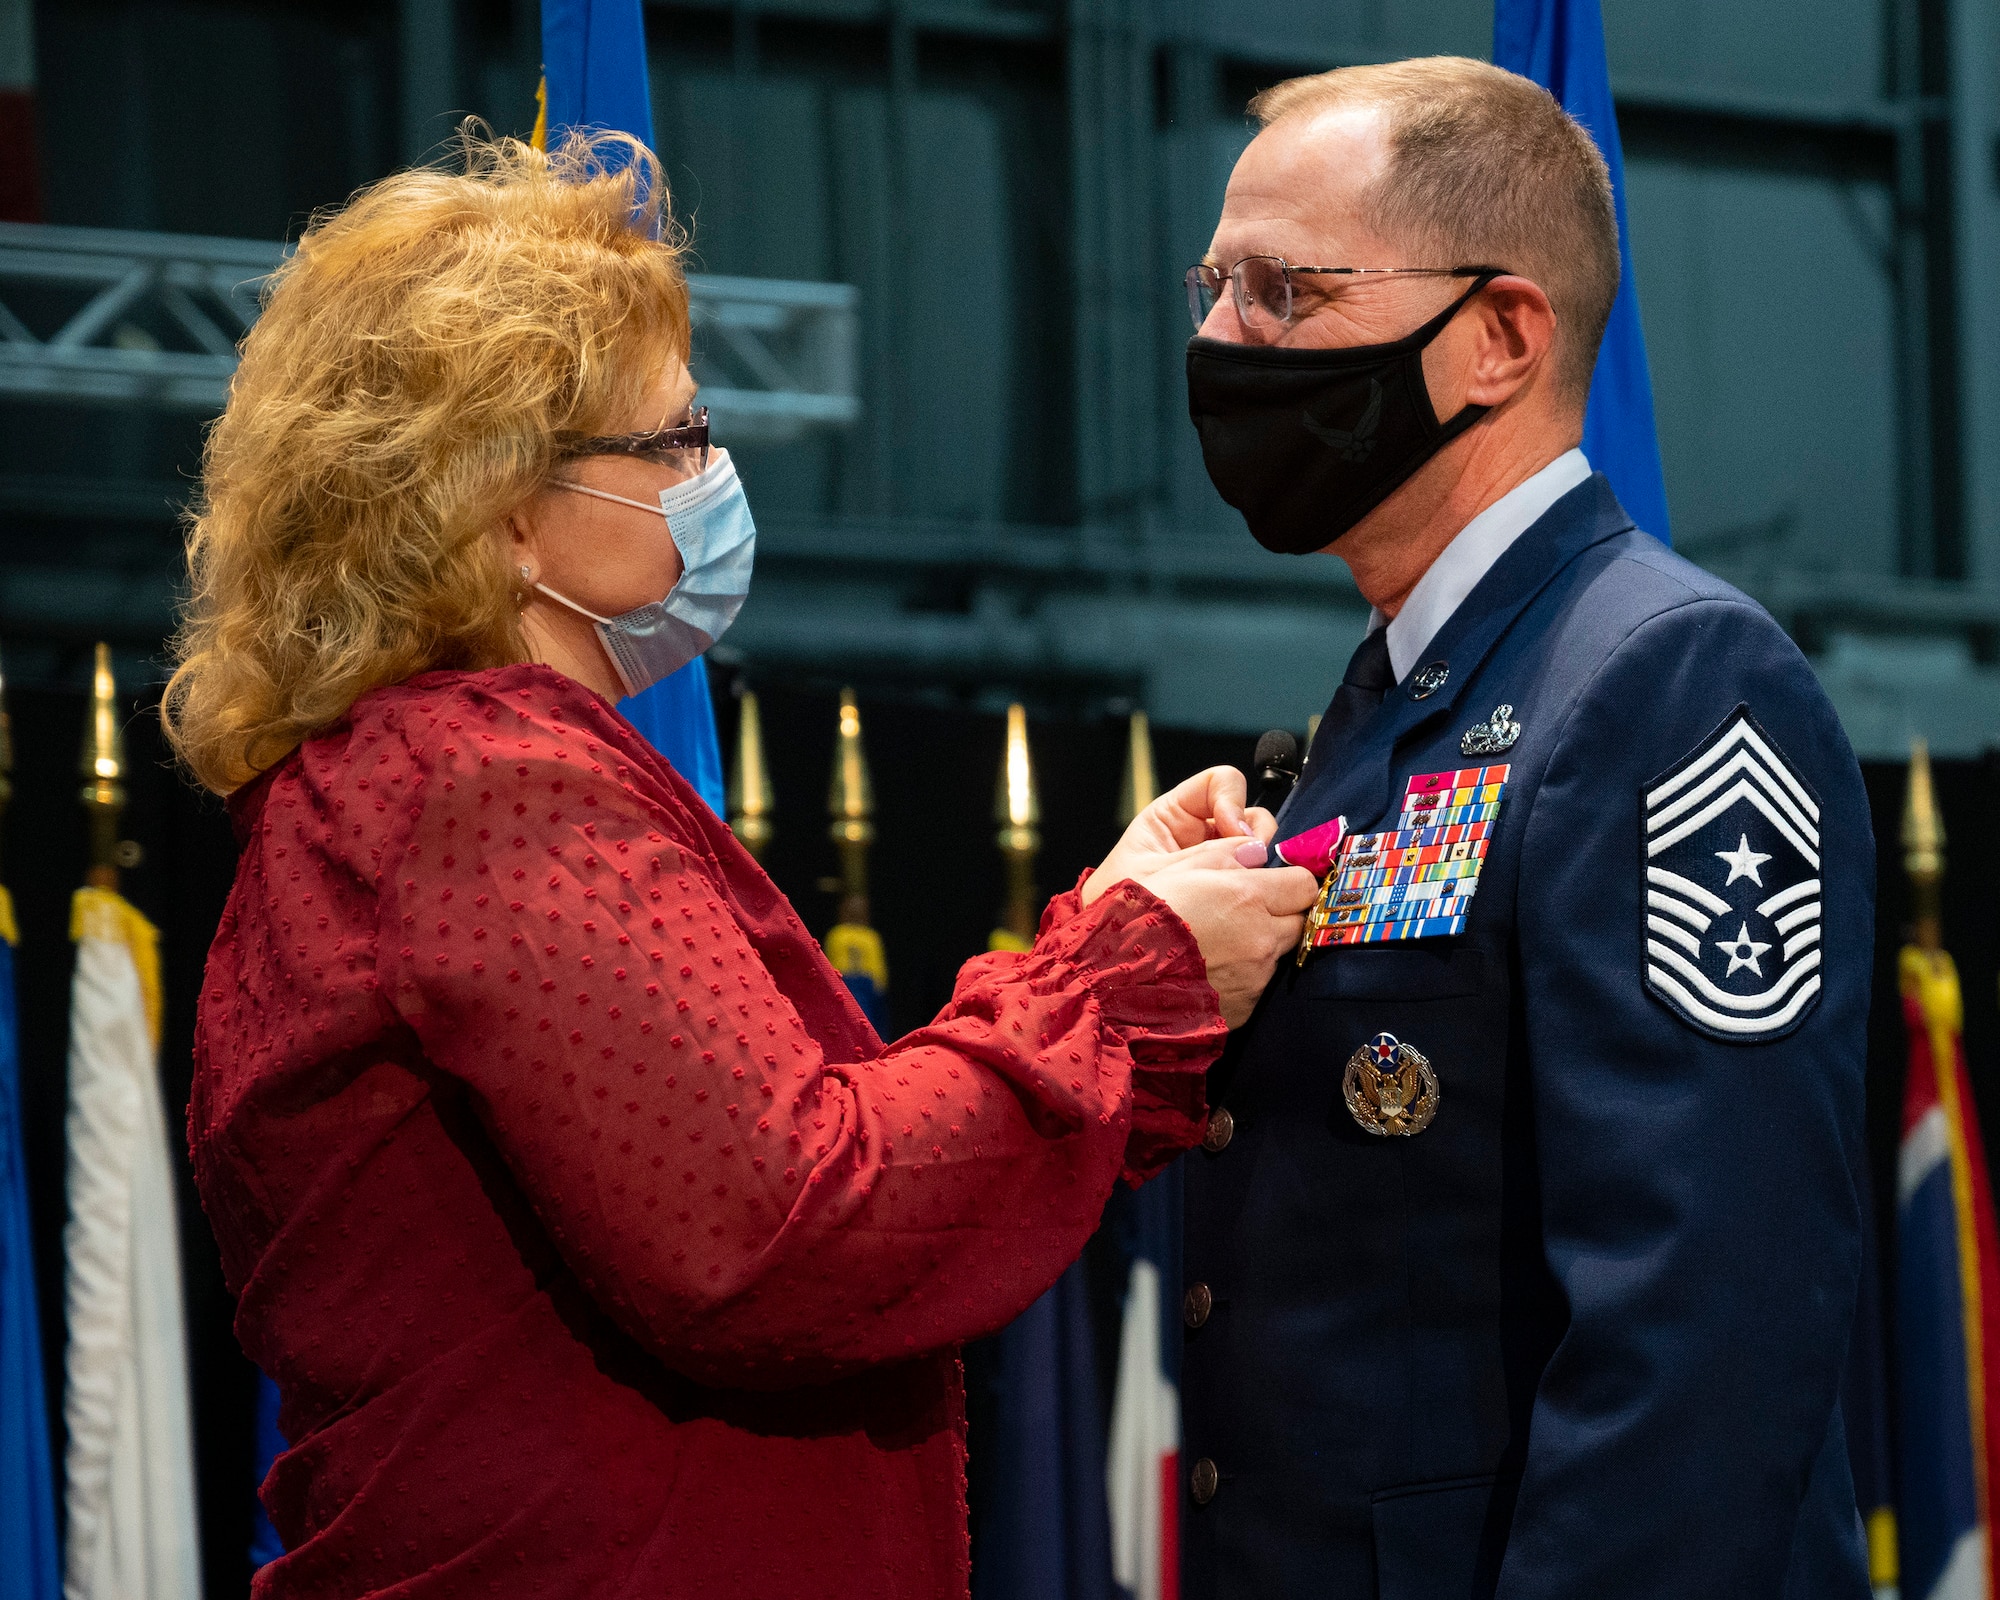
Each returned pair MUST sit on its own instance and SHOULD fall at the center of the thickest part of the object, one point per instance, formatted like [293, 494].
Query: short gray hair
[1485, 168]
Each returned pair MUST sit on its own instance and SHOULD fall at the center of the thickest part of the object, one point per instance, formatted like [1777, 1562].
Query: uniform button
[1196, 1305]
[1221, 1129]
[1202, 1481]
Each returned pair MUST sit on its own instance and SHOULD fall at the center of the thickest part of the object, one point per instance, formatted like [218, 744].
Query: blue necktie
[1369, 677]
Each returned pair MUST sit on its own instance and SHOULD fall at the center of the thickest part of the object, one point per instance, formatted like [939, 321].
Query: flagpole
[1140, 786]
[751, 798]
[103, 769]
[852, 944]
[1018, 810]
[129, 1466]
[850, 803]
[1923, 851]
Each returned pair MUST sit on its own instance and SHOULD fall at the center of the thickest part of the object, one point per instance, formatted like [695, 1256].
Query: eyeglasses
[683, 447]
[1262, 285]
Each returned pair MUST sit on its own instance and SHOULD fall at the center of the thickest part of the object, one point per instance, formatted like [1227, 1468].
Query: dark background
[938, 886]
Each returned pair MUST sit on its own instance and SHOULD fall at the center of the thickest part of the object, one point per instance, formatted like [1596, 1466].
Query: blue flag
[265, 1545]
[678, 720]
[1560, 44]
[594, 76]
[594, 68]
[29, 1567]
[1043, 1531]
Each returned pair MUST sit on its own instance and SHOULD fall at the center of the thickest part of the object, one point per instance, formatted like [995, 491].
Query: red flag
[1948, 1301]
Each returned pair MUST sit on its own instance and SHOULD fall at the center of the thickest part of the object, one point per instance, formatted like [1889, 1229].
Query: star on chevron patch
[1732, 886]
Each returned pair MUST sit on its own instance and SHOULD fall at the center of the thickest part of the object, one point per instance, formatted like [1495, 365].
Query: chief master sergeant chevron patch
[1731, 863]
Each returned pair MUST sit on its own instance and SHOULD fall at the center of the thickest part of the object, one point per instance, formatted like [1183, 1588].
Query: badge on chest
[1415, 880]
[1390, 1087]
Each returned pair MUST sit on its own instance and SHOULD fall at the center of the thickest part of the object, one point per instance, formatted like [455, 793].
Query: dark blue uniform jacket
[1580, 1338]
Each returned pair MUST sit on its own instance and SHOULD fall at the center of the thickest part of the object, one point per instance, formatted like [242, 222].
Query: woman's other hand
[1207, 806]
[1245, 920]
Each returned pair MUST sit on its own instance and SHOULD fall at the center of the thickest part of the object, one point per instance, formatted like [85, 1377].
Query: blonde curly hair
[420, 360]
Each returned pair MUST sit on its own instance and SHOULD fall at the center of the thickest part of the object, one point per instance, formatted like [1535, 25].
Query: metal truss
[101, 316]
[776, 358]
[105, 317]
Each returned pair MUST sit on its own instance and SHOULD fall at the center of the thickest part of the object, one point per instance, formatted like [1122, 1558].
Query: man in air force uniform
[1522, 1252]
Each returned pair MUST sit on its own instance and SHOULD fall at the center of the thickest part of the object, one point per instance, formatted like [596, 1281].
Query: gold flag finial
[103, 766]
[1016, 807]
[1018, 810]
[854, 948]
[751, 800]
[850, 803]
[1139, 788]
[1923, 849]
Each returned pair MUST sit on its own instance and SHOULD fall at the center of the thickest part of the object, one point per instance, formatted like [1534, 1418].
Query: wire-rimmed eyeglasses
[1262, 285]
[683, 447]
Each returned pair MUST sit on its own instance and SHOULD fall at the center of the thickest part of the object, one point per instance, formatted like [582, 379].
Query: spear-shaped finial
[751, 800]
[1018, 810]
[850, 803]
[1923, 849]
[855, 948]
[1139, 788]
[103, 766]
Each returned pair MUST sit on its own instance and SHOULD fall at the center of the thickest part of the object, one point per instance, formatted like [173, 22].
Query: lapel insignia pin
[1427, 680]
[1493, 736]
[1390, 1088]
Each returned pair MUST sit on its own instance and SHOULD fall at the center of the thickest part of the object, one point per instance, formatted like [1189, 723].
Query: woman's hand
[1208, 806]
[1245, 920]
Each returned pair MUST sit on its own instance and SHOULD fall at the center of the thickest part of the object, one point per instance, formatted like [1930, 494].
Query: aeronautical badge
[1495, 736]
[1390, 1088]
[1732, 901]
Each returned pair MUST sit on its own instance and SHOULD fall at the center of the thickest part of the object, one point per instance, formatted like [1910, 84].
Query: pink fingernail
[1244, 824]
[1251, 853]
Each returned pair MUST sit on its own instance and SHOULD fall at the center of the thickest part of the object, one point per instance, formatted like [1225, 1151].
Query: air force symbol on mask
[1732, 886]
[1358, 442]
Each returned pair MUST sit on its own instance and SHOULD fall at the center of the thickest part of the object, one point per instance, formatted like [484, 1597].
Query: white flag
[1142, 1471]
[130, 1467]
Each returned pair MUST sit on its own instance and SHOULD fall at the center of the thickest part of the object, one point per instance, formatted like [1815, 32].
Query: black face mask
[1305, 443]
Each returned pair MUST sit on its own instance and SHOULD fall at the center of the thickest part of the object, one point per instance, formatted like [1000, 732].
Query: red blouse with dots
[595, 1242]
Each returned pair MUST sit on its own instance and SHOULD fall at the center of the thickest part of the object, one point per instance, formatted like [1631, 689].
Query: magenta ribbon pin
[1315, 848]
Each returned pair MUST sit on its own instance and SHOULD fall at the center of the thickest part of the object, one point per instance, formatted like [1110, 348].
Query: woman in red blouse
[595, 1242]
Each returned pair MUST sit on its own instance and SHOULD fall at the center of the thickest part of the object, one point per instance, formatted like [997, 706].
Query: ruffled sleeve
[749, 1201]
[1169, 1083]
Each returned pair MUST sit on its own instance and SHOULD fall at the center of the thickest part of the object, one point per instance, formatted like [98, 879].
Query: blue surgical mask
[708, 519]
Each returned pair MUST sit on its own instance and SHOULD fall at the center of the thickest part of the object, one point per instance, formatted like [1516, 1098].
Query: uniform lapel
[1354, 780]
